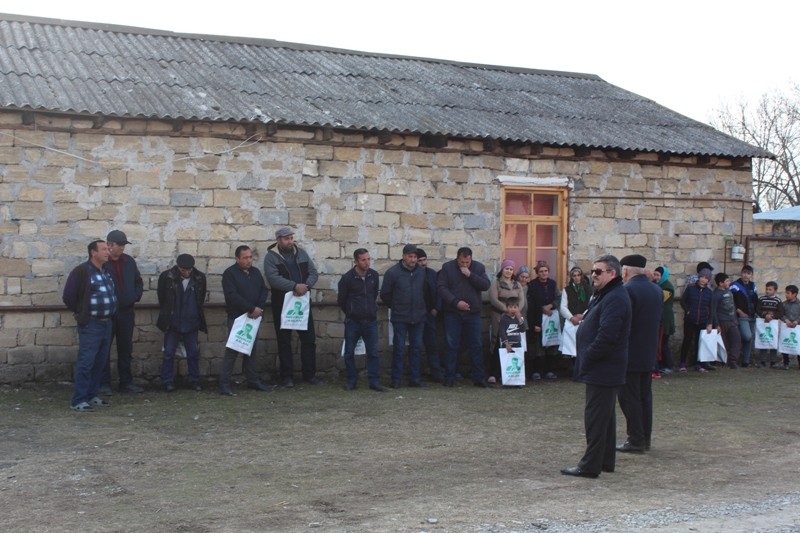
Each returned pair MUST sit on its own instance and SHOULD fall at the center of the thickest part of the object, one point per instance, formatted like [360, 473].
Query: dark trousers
[600, 423]
[122, 331]
[691, 336]
[636, 402]
[248, 363]
[430, 339]
[308, 346]
[368, 331]
[190, 341]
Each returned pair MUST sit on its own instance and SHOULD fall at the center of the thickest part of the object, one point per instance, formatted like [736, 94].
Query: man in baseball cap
[129, 288]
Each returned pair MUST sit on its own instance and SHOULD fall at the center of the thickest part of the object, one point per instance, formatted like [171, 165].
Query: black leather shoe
[314, 381]
[259, 387]
[169, 387]
[481, 384]
[627, 447]
[416, 384]
[225, 390]
[288, 383]
[378, 387]
[196, 387]
[608, 469]
[395, 385]
[577, 471]
[448, 383]
[130, 387]
[349, 387]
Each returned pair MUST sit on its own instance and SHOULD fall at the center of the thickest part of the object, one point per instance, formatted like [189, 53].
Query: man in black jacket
[602, 342]
[358, 292]
[130, 287]
[403, 292]
[245, 293]
[636, 396]
[181, 295]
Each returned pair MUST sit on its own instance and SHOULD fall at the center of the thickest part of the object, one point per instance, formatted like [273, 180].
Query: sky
[690, 56]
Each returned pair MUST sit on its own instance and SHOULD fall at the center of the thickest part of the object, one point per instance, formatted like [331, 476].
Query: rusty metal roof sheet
[118, 71]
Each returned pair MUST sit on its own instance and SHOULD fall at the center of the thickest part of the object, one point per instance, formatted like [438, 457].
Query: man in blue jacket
[403, 291]
[129, 287]
[602, 345]
[357, 295]
[636, 396]
[745, 296]
[460, 283]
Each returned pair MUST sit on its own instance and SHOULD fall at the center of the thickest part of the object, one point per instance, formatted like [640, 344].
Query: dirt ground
[725, 457]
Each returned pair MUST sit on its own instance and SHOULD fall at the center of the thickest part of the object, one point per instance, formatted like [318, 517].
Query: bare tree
[774, 125]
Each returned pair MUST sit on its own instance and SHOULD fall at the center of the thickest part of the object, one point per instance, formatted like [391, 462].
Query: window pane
[546, 236]
[518, 204]
[545, 205]
[550, 257]
[516, 235]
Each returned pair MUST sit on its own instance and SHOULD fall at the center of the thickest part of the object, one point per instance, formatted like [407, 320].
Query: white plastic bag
[789, 342]
[512, 366]
[568, 343]
[296, 309]
[767, 334]
[711, 347]
[243, 334]
[551, 329]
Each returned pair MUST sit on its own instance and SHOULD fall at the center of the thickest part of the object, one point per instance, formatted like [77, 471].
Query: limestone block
[211, 180]
[336, 168]
[55, 337]
[227, 198]
[651, 226]
[458, 175]
[414, 221]
[636, 241]
[386, 220]
[346, 153]
[310, 168]
[474, 192]
[448, 159]
[47, 267]
[288, 199]
[103, 212]
[320, 152]
[345, 234]
[420, 159]
[448, 191]
[398, 204]
[18, 373]
[547, 167]
[624, 226]
[636, 185]
[390, 157]
[22, 321]
[371, 202]
[433, 175]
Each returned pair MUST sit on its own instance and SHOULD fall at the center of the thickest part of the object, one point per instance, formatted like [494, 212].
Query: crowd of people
[422, 302]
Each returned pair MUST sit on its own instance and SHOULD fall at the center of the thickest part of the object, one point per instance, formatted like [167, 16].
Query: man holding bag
[289, 270]
[245, 294]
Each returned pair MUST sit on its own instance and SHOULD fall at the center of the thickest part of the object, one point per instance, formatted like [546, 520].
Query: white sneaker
[97, 401]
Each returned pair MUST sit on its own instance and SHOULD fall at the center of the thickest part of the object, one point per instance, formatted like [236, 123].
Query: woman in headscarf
[503, 287]
[542, 300]
[664, 361]
[575, 299]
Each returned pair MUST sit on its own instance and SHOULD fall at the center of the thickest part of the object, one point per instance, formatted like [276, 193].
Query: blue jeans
[747, 329]
[192, 345]
[414, 333]
[94, 344]
[367, 330]
[466, 328]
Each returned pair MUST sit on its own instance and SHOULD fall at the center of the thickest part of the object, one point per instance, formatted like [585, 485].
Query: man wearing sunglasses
[602, 345]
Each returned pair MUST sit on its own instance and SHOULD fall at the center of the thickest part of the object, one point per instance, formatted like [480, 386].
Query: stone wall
[206, 188]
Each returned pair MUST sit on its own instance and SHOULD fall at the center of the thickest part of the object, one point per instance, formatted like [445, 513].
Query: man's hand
[576, 319]
[300, 289]
[466, 271]
[255, 313]
[462, 306]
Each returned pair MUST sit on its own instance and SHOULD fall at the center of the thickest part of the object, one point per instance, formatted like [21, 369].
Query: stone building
[198, 144]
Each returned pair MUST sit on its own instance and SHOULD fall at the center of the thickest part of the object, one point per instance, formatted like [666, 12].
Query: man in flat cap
[181, 295]
[288, 268]
[130, 287]
[403, 292]
[636, 396]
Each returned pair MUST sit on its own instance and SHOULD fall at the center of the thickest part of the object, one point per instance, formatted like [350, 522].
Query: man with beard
[288, 268]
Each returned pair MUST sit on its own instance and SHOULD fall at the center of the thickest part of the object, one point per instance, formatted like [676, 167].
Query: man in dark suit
[602, 342]
[636, 396]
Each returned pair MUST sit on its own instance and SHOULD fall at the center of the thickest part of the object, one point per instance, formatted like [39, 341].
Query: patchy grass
[363, 461]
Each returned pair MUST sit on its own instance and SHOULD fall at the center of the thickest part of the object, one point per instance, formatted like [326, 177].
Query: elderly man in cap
[404, 293]
[288, 268]
[181, 295]
[129, 287]
[636, 396]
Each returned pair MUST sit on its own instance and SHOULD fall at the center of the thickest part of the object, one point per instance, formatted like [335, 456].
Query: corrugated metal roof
[130, 72]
